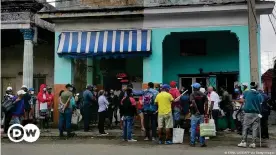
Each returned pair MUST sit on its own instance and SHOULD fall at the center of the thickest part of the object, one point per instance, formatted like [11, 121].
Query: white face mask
[32, 92]
[71, 89]
[44, 89]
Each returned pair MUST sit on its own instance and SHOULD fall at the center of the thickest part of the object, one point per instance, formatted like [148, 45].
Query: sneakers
[242, 144]
[132, 140]
[153, 139]
[168, 142]
[146, 139]
[226, 130]
[253, 145]
[104, 134]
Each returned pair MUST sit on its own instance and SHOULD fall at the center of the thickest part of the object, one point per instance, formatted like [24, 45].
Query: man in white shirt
[214, 109]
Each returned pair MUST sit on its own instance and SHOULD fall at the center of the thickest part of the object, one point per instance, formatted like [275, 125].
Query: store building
[27, 45]
[185, 41]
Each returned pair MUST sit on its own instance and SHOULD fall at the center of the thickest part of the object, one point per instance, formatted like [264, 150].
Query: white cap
[24, 86]
[245, 84]
[9, 88]
[202, 90]
[21, 92]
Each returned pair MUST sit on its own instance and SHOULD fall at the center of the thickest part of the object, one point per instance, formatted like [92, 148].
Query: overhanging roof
[264, 7]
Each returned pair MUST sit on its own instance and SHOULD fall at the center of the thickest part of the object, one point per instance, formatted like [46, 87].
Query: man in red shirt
[176, 106]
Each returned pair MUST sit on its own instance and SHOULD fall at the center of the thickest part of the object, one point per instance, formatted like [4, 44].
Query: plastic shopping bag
[178, 135]
[76, 117]
[208, 129]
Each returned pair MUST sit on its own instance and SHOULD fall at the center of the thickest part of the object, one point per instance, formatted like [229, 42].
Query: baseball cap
[165, 86]
[196, 85]
[173, 84]
[21, 92]
[31, 89]
[68, 85]
[253, 84]
[24, 86]
[9, 88]
[245, 84]
[89, 86]
[202, 90]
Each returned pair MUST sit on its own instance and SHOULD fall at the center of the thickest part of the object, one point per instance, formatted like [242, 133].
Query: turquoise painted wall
[222, 54]
[63, 70]
[153, 65]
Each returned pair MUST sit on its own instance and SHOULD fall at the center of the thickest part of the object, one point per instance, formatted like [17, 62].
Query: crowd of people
[159, 108]
[26, 107]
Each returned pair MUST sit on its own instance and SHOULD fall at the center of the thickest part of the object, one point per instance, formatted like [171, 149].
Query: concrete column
[244, 58]
[28, 57]
[89, 71]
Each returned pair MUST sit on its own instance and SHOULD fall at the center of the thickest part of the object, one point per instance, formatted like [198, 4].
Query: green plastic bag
[207, 130]
[222, 123]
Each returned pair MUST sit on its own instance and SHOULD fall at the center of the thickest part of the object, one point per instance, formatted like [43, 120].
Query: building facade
[160, 41]
[27, 45]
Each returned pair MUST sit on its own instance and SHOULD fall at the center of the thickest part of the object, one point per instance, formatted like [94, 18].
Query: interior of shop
[121, 71]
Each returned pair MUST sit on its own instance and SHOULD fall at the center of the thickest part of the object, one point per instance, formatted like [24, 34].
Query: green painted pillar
[244, 58]
[89, 71]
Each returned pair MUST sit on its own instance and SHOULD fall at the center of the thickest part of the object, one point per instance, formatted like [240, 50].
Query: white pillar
[28, 57]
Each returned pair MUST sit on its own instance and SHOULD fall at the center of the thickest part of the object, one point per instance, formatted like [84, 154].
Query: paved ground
[90, 146]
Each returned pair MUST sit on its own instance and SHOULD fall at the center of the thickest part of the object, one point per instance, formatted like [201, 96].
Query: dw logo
[17, 133]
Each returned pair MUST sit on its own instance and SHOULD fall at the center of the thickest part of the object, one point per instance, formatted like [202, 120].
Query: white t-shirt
[215, 97]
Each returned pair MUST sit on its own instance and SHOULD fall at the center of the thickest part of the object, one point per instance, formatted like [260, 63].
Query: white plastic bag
[178, 135]
[211, 121]
[76, 117]
[207, 129]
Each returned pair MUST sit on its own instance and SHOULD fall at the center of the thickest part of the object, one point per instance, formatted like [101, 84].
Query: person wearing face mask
[66, 106]
[50, 102]
[18, 110]
[43, 99]
[27, 105]
[7, 114]
[112, 107]
[32, 103]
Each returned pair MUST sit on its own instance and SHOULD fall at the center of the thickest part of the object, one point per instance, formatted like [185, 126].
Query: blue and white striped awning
[119, 43]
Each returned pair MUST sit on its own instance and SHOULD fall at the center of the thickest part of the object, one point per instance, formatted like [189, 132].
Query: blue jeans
[128, 123]
[195, 121]
[66, 118]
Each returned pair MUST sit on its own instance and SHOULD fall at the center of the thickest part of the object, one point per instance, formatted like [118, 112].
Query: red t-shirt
[140, 105]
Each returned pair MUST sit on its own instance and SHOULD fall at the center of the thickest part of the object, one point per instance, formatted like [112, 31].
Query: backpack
[7, 104]
[148, 98]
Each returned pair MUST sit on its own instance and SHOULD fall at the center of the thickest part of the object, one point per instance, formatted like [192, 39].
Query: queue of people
[159, 109]
[26, 107]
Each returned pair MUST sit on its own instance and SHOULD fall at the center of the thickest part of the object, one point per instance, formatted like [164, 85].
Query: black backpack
[7, 104]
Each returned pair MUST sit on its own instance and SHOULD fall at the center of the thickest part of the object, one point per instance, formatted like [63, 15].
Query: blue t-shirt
[87, 97]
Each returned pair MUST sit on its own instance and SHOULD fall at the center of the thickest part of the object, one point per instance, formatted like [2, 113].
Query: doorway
[188, 81]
